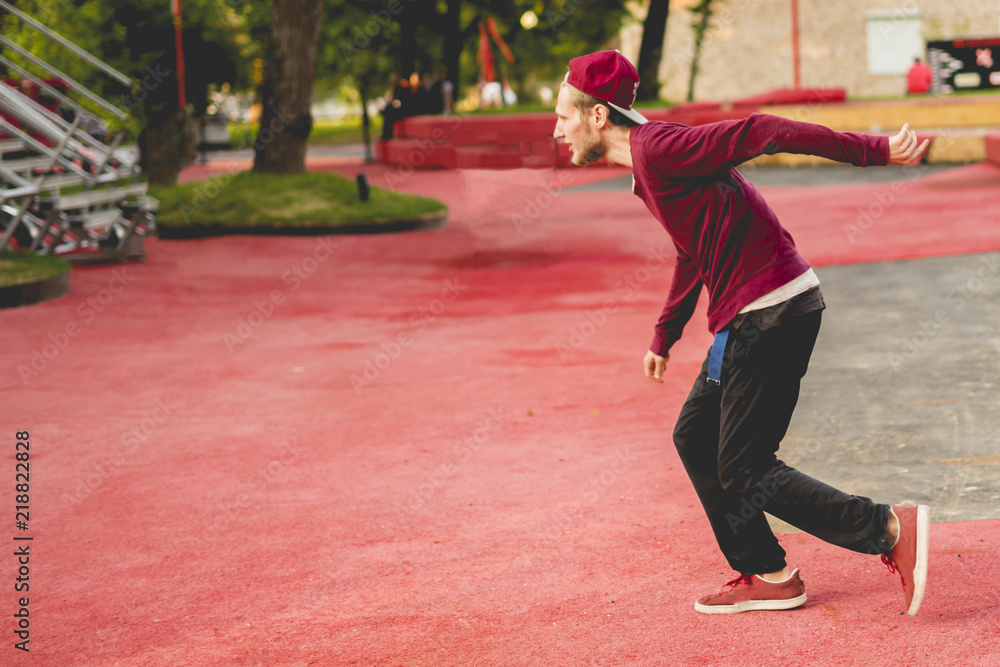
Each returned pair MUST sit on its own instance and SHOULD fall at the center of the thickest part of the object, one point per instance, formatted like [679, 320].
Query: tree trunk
[286, 92]
[654, 30]
[703, 15]
[167, 145]
[366, 135]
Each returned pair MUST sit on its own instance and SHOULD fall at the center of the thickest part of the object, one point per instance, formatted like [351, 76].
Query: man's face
[579, 132]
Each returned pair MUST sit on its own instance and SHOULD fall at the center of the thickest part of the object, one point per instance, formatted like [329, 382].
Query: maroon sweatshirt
[727, 237]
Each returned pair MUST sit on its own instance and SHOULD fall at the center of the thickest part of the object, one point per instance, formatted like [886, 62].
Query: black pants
[727, 436]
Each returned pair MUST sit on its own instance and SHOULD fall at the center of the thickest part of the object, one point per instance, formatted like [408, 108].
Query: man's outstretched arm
[708, 149]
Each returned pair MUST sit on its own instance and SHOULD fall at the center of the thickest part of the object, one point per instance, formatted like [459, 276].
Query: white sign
[895, 38]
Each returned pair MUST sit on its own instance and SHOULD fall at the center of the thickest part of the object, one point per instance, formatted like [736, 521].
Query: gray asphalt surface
[901, 398]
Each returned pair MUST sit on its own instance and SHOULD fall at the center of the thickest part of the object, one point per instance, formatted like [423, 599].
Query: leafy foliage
[702, 14]
[136, 37]
[367, 40]
[362, 42]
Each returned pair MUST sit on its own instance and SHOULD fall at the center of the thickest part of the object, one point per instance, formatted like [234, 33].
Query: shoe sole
[923, 549]
[751, 605]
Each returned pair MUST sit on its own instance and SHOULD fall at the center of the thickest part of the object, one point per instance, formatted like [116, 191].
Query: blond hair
[584, 103]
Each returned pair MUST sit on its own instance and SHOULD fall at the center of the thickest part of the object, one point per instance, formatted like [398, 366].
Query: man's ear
[600, 115]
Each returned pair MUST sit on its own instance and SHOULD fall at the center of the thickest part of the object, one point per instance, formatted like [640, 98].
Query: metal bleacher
[64, 190]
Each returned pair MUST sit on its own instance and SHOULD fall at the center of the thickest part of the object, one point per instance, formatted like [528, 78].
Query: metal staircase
[62, 189]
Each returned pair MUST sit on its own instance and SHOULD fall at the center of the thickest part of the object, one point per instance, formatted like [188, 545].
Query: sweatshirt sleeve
[708, 149]
[681, 301]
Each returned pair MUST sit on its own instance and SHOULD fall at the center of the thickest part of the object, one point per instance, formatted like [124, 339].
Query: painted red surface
[808, 96]
[433, 448]
[993, 147]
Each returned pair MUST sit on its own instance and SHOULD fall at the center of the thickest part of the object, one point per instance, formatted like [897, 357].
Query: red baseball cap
[608, 76]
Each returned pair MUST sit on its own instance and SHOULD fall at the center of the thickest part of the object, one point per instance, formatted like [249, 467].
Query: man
[398, 104]
[918, 79]
[764, 307]
[440, 91]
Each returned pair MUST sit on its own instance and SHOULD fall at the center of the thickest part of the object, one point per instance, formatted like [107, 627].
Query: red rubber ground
[432, 448]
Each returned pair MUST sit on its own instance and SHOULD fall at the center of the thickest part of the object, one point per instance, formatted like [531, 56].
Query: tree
[356, 50]
[372, 39]
[654, 30]
[287, 88]
[136, 37]
[703, 17]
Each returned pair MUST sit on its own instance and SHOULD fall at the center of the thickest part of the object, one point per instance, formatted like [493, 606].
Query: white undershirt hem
[805, 282]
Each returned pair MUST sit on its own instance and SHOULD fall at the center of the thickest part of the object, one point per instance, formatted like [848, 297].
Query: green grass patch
[346, 131]
[284, 201]
[324, 132]
[18, 267]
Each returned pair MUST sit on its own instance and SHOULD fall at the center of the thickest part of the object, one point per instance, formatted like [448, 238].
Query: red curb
[993, 147]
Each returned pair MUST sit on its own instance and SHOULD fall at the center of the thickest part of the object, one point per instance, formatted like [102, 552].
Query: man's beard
[591, 153]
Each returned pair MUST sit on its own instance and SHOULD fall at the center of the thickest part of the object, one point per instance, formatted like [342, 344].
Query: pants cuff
[883, 524]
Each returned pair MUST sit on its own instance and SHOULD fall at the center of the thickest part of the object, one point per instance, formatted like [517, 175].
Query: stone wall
[748, 48]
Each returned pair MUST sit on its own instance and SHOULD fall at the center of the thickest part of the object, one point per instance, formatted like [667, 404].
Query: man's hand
[903, 148]
[655, 365]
